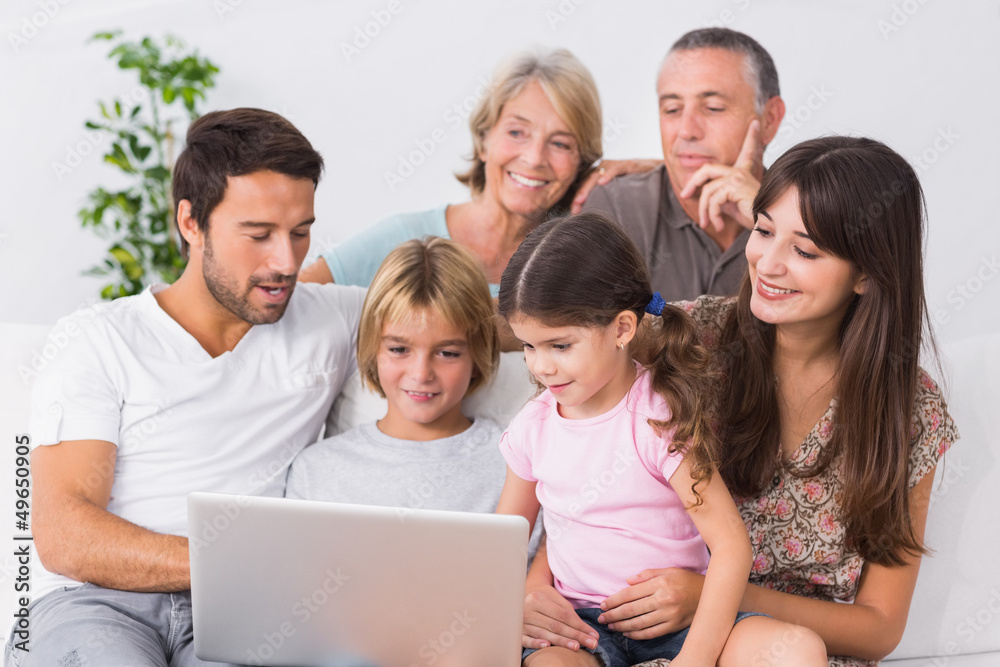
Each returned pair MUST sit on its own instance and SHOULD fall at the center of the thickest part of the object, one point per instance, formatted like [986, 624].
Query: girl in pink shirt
[621, 455]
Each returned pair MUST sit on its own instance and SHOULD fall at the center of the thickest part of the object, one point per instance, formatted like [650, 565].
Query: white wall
[921, 76]
[926, 86]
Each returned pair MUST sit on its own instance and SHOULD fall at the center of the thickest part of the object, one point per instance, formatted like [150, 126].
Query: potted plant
[138, 219]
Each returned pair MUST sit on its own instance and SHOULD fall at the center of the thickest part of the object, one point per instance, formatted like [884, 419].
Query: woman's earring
[621, 346]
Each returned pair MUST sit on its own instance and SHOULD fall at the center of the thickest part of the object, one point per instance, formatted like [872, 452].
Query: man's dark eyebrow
[701, 96]
[255, 223]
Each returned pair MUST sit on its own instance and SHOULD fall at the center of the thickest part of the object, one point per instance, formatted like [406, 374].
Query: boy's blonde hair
[432, 273]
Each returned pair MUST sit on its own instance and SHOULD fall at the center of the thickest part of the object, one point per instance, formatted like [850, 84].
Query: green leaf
[119, 50]
[126, 260]
[130, 60]
[134, 272]
[126, 203]
[140, 152]
[105, 35]
[158, 173]
[137, 220]
[118, 158]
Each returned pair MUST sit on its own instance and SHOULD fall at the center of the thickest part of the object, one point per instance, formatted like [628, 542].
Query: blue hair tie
[656, 304]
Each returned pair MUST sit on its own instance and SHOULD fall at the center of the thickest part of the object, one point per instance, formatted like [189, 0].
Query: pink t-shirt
[609, 509]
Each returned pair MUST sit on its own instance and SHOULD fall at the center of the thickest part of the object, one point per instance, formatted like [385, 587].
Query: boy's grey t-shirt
[463, 473]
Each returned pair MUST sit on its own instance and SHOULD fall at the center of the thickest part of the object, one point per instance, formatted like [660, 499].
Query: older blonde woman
[534, 137]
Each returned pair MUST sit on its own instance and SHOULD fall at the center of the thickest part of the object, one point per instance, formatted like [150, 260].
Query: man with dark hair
[719, 107]
[235, 143]
[213, 383]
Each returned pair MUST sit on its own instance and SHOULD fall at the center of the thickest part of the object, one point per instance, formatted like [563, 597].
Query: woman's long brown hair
[861, 202]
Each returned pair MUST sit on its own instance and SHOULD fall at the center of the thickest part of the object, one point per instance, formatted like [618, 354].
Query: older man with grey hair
[691, 216]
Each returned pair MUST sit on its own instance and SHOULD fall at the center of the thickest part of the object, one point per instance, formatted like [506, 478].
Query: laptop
[278, 581]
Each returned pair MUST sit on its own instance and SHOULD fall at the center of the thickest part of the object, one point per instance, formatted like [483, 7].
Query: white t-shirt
[184, 421]
[463, 472]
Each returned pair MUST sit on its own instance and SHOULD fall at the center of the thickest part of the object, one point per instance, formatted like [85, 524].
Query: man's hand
[550, 620]
[729, 191]
[656, 602]
[604, 172]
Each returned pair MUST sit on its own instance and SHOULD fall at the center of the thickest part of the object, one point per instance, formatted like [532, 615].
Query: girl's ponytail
[680, 367]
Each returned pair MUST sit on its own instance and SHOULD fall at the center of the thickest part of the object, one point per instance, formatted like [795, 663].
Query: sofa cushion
[25, 349]
[956, 605]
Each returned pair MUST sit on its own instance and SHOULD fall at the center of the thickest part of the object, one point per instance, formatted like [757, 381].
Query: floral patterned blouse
[794, 525]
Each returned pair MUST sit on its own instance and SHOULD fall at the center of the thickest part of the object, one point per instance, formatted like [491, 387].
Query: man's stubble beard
[222, 289]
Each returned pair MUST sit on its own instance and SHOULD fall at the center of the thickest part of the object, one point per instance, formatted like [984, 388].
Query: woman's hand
[604, 172]
[550, 620]
[656, 602]
[317, 272]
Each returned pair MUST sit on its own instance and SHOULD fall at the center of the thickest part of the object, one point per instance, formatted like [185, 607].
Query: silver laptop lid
[277, 581]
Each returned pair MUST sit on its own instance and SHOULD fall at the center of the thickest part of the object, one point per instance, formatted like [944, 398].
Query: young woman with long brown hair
[830, 430]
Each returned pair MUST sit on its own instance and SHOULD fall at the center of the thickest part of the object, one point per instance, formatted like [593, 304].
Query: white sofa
[955, 615]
